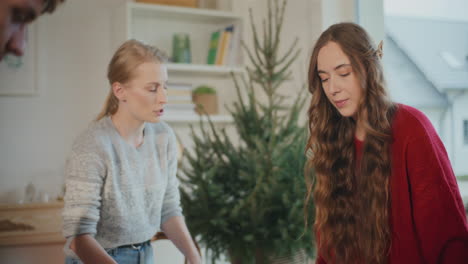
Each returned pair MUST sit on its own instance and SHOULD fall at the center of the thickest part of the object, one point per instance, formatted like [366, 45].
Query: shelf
[196, 118]
[156, 25]
[183, 13]
[203, 69]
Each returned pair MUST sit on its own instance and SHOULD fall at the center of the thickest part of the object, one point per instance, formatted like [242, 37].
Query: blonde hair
[126, 59]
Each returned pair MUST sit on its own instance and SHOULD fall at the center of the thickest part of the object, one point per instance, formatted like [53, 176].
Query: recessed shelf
[183, 13]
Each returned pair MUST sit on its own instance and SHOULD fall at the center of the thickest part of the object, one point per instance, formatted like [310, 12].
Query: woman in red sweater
[383, 189]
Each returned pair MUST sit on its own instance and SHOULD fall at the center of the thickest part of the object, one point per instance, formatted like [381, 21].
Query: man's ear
[119, 91]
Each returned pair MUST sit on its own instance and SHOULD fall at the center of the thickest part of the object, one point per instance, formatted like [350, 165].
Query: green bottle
[181, 48]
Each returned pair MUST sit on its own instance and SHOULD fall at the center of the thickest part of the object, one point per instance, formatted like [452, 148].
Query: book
[179, 114]
[173, 107]
[175, 92]
[213, 49]
[227, 49]
[183, 109]
[223, 44]
[179, 102]
[179, 87]
[172, 98]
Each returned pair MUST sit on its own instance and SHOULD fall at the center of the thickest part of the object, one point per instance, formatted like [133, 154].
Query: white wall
[371, 17]
[336, 11]
[443, 9]
[367, 13]
[303, 19]
[36, 132]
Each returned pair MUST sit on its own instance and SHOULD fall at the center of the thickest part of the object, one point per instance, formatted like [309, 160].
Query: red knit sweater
[427, 218]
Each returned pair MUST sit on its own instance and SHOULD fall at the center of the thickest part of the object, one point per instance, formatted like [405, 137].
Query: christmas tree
[246, 199]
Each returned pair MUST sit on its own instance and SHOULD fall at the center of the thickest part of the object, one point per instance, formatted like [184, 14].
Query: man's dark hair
[50, 5]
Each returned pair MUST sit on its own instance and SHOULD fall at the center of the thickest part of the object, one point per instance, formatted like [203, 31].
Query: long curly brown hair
[352, 201]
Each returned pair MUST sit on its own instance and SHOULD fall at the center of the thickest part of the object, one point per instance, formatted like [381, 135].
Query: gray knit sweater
[119, 193]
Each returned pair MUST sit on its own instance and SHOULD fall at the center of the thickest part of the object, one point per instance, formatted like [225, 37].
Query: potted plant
[205, 100]
[244, 197]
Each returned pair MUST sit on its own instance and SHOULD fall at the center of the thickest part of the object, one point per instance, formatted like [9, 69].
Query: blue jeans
[126, 255]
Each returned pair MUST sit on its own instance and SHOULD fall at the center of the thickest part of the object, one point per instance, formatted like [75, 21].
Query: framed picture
[18, 75]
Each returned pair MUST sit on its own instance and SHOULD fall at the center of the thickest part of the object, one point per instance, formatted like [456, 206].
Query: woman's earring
[380, 50]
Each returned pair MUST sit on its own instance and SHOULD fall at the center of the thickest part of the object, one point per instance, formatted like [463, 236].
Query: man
[15, 15]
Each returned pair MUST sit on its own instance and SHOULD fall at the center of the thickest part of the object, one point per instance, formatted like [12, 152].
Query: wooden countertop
[28, 224]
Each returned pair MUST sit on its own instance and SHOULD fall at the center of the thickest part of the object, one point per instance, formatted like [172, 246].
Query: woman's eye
[153, 88]
[345, 74]
[324, 80]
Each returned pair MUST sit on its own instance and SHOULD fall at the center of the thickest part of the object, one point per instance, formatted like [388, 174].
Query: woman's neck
[360, 133]
[130, 129]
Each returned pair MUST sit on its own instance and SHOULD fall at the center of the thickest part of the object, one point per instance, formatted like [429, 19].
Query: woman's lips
[341, 103]
[159, 112]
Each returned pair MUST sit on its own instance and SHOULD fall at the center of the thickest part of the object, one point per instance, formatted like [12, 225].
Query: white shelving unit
[157, 24]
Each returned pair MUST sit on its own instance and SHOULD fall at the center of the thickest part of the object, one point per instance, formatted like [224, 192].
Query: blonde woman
[121, 184]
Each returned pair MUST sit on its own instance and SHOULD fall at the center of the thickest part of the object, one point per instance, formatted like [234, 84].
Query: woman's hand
[196, 259]
[89, 250]
[176, 230]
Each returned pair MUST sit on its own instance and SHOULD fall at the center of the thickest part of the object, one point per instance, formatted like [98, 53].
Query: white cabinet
[157, 24]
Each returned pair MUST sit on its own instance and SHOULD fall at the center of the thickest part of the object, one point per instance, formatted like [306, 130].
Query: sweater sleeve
[438, 214]
[84, 180]
[171, 203]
